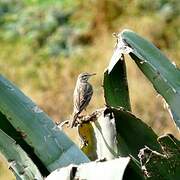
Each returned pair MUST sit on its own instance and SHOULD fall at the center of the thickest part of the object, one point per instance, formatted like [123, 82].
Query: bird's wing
[85, 96]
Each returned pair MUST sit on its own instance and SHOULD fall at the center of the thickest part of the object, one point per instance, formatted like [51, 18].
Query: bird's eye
[85, 77]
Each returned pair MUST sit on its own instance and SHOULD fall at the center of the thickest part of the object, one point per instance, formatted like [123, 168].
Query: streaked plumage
[82, 95]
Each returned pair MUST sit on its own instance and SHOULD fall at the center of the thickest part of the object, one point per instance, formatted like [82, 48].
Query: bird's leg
[86, 118]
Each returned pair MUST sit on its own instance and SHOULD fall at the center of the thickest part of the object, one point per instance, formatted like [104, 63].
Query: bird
[82, 95]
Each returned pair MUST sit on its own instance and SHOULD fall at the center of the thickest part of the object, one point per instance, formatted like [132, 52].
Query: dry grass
[5, 174]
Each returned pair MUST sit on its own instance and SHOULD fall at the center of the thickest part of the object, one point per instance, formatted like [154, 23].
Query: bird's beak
[92, 74]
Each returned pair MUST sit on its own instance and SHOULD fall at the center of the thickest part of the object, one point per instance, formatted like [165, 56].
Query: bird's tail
[75, 116]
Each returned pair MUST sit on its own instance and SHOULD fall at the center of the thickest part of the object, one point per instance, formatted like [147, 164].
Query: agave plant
[113, 138]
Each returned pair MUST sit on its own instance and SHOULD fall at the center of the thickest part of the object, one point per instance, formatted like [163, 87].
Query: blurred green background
[45, 44]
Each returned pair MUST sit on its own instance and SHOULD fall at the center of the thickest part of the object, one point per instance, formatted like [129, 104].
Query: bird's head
[83, 77]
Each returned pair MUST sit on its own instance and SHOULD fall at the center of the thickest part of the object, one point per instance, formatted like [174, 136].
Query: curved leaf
[132, 133]
[50, 144]
[6, 127]
[164, 76]
[115, 85]
[112, 169]
[19, 162]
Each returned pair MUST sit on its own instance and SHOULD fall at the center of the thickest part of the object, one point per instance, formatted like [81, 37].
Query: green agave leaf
[7, 128]
[115, 85]
[132, 133]
[164, 76]
[50, 144]
[19, 162]
[162, 166]
[133, 171]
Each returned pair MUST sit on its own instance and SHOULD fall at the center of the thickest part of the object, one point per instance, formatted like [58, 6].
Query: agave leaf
[120, 49]
[115, 85]
[50, 144]
[19, 162]
[112, 169]
[133, 171]
[164, 76]
[6, 127]
[162, 166]
[132, 133]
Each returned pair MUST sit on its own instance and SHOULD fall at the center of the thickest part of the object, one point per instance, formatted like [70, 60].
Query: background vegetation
[45, 44]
